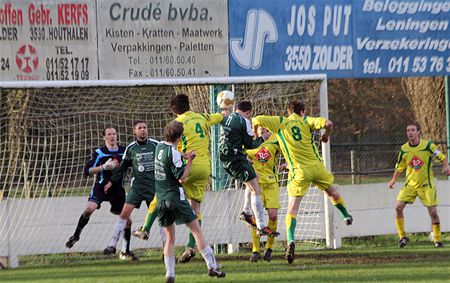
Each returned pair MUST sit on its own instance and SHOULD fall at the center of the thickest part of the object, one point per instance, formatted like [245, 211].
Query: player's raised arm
[271, 123]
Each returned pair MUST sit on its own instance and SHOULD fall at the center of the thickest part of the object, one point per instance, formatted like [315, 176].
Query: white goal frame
[333, 239]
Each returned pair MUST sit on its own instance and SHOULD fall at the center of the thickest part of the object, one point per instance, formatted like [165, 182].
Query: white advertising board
[48, 40]
[162, 39]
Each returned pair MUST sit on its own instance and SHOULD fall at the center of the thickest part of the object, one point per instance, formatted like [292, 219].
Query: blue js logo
[260, 28]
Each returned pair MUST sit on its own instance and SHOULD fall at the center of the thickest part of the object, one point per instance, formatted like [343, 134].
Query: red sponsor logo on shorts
[416, 163]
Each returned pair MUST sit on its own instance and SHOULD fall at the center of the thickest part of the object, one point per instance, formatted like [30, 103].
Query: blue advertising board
[344, 39]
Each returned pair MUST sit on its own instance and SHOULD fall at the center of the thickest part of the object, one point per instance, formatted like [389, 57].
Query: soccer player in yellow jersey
[265, 162]
[415, 156]
[195, 138]
[294, 134]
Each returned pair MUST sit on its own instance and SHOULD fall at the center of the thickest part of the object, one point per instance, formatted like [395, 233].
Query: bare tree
[427, 97]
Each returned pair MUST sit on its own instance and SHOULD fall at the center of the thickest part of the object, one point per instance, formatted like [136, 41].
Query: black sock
[83, 221]
[127, 237]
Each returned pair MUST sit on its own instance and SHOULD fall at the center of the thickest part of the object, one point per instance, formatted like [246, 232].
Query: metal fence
[370, 162]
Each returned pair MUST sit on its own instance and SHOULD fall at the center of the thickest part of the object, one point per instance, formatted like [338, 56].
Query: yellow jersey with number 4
[417, 160]
[295, 137]
[196, 133]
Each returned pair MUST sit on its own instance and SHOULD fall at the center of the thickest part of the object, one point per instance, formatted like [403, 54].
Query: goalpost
[49, 129]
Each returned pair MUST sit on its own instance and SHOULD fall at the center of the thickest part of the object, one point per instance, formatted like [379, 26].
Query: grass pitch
[372, 259]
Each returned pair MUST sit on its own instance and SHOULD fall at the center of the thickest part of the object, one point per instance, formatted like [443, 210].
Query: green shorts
[137, 196]
[175, 211]
[239, 167]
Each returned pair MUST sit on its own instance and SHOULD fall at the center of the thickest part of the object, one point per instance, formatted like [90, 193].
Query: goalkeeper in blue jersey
[102, 163]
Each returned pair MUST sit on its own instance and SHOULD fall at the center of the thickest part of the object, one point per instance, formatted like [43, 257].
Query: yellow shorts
[196, 182]
[270, 195]
[427, 195]
[301, 179]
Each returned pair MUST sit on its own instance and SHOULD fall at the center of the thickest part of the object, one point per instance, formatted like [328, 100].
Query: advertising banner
[344, 39]
[42, 40]
[162, 39]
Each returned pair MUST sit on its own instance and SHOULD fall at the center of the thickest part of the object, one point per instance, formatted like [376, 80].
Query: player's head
[173, 131]
[110, 136]
[413, 132]
[297, 107]
[140, 130]
[179, 104]
[244, 107]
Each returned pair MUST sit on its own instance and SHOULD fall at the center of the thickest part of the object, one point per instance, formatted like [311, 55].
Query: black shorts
[239, 167]
[175, 211]
[115, 196]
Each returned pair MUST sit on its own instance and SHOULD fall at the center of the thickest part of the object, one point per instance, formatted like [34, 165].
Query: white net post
[333, 240]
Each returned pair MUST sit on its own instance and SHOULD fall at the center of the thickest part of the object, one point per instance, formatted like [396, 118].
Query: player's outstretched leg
[205, 250]
[82, 222]
[144, 231]
[291, 222]
[189, 253]
[338, 202]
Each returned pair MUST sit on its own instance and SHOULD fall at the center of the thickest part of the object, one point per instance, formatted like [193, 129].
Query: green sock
[342, 210]
[339, 204]
[291, 222]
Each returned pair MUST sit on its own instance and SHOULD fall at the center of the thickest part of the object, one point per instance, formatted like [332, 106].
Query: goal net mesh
[47, 135]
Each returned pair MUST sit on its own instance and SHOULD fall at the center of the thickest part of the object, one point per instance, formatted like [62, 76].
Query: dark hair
[173, 131]
[104, 130]
[414, 124]
[179, 104]
[138, 122]
[244, 105]
[296, 106]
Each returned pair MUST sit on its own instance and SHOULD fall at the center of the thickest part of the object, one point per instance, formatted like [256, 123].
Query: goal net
[48, 134]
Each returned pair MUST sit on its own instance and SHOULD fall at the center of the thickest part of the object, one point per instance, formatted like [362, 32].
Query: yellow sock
[255, 240]
[437, 232]
[338, 201]
[271, 240]
[400, 224]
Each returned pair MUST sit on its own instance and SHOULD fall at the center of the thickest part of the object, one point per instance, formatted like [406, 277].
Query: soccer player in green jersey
[140, 155]
[415, 157]
[237, 135]
[265, 159]
[195, 138]
[173, 207]
[294, 134]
